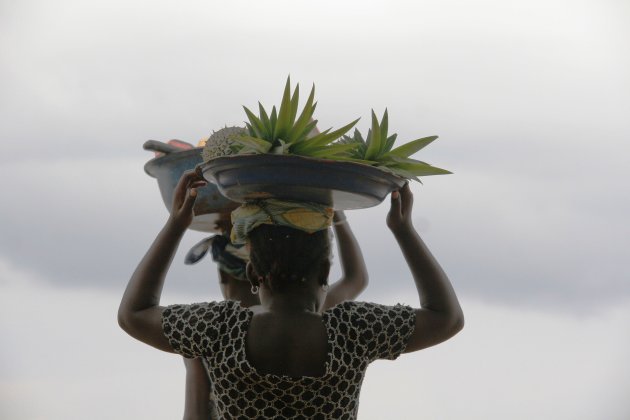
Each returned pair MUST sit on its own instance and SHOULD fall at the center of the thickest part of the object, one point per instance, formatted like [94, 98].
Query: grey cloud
[85, 223]
[503, 243]
[94, 220]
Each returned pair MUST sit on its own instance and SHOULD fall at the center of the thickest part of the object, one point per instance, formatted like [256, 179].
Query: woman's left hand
[184, 198]
[339, 217]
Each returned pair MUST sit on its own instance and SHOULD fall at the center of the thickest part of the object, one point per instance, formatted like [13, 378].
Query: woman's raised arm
[354, 273]
[139, 313]
[440, 316]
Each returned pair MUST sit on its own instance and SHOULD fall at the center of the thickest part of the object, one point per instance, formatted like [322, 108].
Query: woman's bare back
[295, 345]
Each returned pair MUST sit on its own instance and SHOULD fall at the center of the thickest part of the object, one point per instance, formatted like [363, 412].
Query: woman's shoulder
[363, 308]
[203, 310]
[374, 331]
[368, 315]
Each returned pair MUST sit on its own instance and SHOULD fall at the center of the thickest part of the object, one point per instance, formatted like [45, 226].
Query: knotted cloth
[230, 258]
[307, 217]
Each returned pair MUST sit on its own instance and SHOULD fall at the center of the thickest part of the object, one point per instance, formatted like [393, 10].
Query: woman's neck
[288, 302]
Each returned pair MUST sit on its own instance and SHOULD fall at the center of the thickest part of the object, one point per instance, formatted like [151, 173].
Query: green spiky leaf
[253, 143]
[377, 150]
[383, 132]
[399, 172]
[390, 143]
[374, 139]
[325, 137]
[417, 167]
[312, 143]
[255, 123]
[359, 152]
[284, 113]
[330, 151]
[273, 119]
[306, 131]
[264, 118]
[412, 147]
[299, 132]
[250, 129]
[294, 104]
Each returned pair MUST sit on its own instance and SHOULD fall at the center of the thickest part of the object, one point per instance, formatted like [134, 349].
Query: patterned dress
[358, 333]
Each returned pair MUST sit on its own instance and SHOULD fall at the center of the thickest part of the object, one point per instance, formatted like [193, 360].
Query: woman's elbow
[124, 320]
[359, 283]
[457, 323]
[363, 281]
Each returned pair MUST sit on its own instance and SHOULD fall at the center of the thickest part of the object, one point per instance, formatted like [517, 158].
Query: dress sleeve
[190, 328]
[382, 332]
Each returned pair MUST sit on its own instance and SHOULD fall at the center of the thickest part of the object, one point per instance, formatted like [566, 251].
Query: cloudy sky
[531, 103]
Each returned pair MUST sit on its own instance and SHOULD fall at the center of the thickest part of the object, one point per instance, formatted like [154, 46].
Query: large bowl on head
[341, 185]
[210, 204]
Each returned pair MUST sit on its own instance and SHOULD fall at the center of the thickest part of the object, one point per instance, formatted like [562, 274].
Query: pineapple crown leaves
[284, 131]
[377, 145]
[377, 149]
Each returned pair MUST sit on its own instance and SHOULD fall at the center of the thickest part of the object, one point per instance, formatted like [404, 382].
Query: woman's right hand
[184, 198]
[399, 216]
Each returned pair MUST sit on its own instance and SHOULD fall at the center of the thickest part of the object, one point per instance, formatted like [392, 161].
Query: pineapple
[377, 151]
[284, 132]
[222, 143]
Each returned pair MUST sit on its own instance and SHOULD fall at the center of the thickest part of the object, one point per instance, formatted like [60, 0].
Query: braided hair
[285, 256]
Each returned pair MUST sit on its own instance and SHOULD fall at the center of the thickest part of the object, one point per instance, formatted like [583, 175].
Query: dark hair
[285, 256]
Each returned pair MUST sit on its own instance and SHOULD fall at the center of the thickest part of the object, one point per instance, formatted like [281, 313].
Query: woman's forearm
[434, 288]
[354, 273]
[352, 262]
[197, 391]
[145, 286]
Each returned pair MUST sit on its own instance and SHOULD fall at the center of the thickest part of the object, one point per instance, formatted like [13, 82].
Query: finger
[406, 190]
[198, 171]
[189, 202]
[191, 176]
[185, 182]
[406, 198]
[198, 184]
[395, 206]
[187, 177]
[182, 186]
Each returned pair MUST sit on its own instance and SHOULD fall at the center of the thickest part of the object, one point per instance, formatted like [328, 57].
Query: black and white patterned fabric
[358, 333]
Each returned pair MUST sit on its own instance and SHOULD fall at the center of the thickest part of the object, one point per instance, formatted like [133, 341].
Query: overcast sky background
[530, 100]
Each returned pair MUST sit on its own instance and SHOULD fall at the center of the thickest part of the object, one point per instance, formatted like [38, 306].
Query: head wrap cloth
[230, 258]
[307, 217]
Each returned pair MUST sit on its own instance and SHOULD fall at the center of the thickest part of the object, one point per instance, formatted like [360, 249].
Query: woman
[283, 358]
[234, 286]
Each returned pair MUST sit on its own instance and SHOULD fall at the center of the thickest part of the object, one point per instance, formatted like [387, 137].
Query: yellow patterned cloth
[308, 217]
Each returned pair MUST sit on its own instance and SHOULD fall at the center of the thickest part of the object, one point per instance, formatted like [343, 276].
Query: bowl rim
[169, 157]
[374, 171]
[368, 185]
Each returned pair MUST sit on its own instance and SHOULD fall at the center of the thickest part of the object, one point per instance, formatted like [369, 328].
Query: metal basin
[341, 185]
[210, 204]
